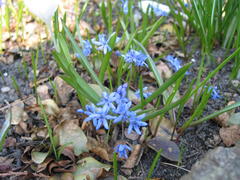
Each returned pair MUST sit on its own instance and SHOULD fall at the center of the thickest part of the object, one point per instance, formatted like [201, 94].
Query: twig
[179, 167]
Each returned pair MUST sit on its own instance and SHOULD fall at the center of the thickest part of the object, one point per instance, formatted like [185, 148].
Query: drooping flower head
[102, 43]
[122, 150]
[87, 48]
[136, 57]
[146, 94]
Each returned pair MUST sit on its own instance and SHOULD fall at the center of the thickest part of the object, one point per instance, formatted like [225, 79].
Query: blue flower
[135, 122]
[123, 112]
[87, 48]
[125, 6]
[159, 12]
[1, 3]
[145, 93]
[102, 43]
[108, 100]
[175, 62]
[99, 116]
[136, 57]
[122, 150]
[215, 92]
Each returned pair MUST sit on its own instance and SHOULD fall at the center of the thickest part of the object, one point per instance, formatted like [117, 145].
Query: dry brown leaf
[134, 158]
[223, 118]
[70, 134]
[42, 91]
[163, 70]
[5, 164]
[165, 128]
[18, 113]
[51, 107]
[230, 135]
[62, 166]
[63, 89]
[100, 149]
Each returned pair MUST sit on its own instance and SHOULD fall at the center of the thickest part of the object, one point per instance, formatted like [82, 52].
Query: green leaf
[5, 128]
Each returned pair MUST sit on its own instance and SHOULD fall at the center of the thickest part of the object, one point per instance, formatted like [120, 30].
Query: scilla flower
[145, 93]
[102, 43]
[135, 122]
[99, 116]
[136, 57]
[215, 92]
[87, 48]
[122, 150]
[108, 100]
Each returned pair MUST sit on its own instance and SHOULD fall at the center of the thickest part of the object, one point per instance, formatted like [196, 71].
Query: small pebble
[5, 74]
[5, 89]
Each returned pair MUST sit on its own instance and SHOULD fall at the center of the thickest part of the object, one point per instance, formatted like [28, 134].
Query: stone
[218, 164]
[5, 89]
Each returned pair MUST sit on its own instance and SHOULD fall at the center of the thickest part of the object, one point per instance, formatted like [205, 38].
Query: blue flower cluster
[136, 57]
[114, 106]
[122, 150]
[102, 43]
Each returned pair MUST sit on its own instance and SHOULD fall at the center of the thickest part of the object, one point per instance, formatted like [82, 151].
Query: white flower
[154, 5]
[44, 9]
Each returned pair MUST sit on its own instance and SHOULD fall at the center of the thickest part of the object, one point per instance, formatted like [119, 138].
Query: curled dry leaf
[170, 149]
[71, 135]
[134, 158]
[223, 118]
[163, 70]
[63, 89]
[51, 107]
[165, 128]
[42, 92]
[100, 148]
[38, 157]
[18, 113]
[90, 168]
[62, 166]
[230, 135]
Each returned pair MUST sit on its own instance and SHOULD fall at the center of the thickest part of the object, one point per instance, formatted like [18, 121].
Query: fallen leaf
[10, 142]
[18, 113]
[100, 149]
[234, 119]
[42, 92]
[134, 158]
[5, 164]
[230, 135]
[170, 149]
[63, 89]
[133, 135]
[38, 157]
[71, 135]
[163, 70]
[62, 176]
[165, 128]
[62, 166]
[51, 107]
[90, 168]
